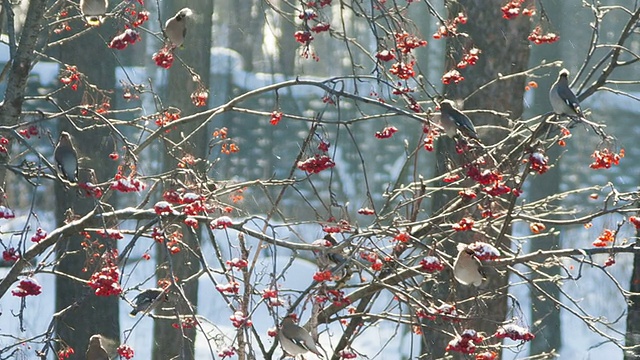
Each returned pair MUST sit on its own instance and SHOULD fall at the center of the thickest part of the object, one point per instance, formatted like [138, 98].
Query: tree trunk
[505, 50]
[89, 314]
[632, 337]
[171, 342]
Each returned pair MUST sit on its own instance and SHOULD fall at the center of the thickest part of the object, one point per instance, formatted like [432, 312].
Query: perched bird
[467, 269]
[563, 100]
[295, 340]
[328, 258]
[147, 300]
[453, 120]
[66, 157]
[176, 27]
[96, 350]
[94, 11]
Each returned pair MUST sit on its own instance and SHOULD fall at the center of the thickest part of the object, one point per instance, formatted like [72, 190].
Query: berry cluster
[27, 287]
[538, 162]
[238, 320]
[121, 41]
[452, 76]
[514, 332]
[484, 251]
[366, 211]
[386, 133]
[470, 58]
[450, 27]
[607, 236]
[229, 288]
[316, 164]
[605, 159]
[465, 342]
[276, 116]
[537, 37]
[163, 208]
[163, 58]
[431, 264]
[106, 281]
[385, 55]
[127, 184]
[406, 43]
[125, 351]
[222, 222]
[465, 224]
[10, 255]
[403, 70]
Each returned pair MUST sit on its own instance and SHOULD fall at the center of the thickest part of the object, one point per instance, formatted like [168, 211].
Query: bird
[563, 100]
[147, 300]
[94, 11]
[295, 340]
[176, 28]
[453, 120]
[66, 157]
[467, 268]
[96, 350]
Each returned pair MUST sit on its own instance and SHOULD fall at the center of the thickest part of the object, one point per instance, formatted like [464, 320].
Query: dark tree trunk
[505, 50]
[632, 337]
[169, 342]
[89, 314]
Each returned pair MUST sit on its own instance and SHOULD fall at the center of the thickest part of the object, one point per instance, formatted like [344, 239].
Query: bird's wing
[569, 98]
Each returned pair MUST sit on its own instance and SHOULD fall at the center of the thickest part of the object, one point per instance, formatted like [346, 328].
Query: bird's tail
[94, 20]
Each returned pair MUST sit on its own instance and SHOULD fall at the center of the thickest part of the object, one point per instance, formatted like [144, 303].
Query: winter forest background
[211, 171]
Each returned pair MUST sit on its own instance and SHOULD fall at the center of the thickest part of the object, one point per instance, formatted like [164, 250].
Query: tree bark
[505, 50]
[170, 342]
[90, 314]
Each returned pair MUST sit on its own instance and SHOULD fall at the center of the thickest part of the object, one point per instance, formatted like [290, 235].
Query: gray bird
[563, 100]
[453, 120]
[295, 340]
[147, 300]
[66, 157]
[96, 350]
[467, 269]
[176, 27]
[94, 11]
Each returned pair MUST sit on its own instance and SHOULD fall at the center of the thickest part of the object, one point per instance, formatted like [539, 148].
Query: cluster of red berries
[452, 76]
[237, 263]
[229, 288]
[140, 17]
[121, 41]
[167, 117]
[10, 255]
[238, 320]
[341, 226]
[537, 37]
[470, 58]
[466, 342]
[125, 351]
[512, 9]
[199, 97]
[451, 27]
[322, 276]
[227, 352]
[465, 224]
[106, 281]
[316, 164]
[431, 264]
[403, 70]
[163, 208]
[514, 332]
[605, 159]
[71, 76]
[276, 116]
[607, 236]
[320, 27]
[65, 353]
[366, 211]
[188, 322]
[484, 251]
[127, 184]
[387, 132]
[163, 58]
[385, 55]
[222, 222]
[27, 133]
[373, 258]
[347, 354]
[538, 162]
[635, 220]
[406, 42]
[91, 189]
[303, 37]
[6, 213]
